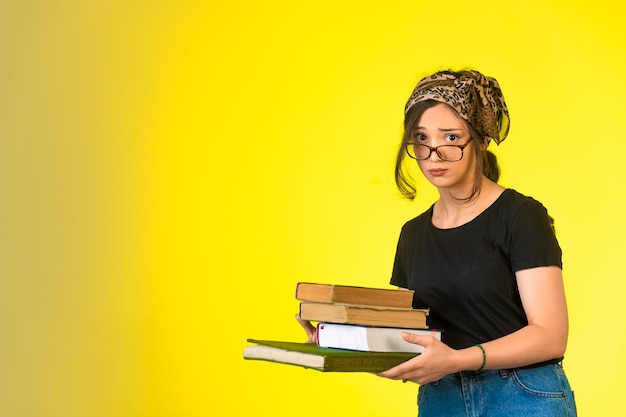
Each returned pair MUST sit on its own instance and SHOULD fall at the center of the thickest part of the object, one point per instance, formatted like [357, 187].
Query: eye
[419, 137]
[452, 137]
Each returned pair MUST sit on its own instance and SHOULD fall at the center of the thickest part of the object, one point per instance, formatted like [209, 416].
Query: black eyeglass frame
[436, 150]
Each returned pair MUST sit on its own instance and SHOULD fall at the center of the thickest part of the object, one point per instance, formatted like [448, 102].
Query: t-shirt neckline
[475, 219]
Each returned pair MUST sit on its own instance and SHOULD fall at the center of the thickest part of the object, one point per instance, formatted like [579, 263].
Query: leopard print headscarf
[477, 99]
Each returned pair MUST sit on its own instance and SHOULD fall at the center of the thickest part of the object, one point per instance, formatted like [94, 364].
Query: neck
[451, 212]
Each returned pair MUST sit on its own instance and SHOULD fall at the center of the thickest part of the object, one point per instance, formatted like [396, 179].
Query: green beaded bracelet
[484, 357]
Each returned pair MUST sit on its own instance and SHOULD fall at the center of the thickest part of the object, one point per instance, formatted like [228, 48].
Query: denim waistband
[534, 365]
[537, 365]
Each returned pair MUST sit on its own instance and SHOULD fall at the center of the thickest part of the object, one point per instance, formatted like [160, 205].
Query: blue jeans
[536, 392]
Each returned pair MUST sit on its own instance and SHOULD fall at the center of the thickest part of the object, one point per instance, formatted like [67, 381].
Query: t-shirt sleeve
[399, 273]
[533, 241]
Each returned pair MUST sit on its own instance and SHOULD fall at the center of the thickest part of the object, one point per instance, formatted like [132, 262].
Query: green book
[308, 355]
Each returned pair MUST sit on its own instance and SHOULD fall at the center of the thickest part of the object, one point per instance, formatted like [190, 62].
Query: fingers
[308, 327]
[399, 372]
[430, 366]
[310, 330]
[303, 323]
[407, 371]
[424, 341]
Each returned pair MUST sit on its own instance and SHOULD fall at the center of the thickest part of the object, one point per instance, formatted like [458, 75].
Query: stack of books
[359, 329]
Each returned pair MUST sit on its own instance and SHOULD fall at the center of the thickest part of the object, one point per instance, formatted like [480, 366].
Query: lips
[437, 172]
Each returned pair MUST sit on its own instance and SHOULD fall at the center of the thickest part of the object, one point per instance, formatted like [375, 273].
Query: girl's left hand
[311, 331]
[437, 360]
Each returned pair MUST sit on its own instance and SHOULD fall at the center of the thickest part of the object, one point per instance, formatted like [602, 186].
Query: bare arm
[545, 336]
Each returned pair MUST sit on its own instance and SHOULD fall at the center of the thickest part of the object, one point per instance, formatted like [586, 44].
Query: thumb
[424, 341]
[311, 331]
[304, 323]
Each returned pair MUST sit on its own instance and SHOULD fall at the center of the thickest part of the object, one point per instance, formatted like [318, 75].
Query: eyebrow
[449, 129]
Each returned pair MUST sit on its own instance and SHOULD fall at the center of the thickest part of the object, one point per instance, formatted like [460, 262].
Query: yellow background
[170, 170]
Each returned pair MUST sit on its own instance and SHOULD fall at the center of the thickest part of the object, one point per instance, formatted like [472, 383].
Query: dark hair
[486, 161]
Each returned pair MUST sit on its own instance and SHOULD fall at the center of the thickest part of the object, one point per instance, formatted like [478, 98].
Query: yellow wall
[170, 170]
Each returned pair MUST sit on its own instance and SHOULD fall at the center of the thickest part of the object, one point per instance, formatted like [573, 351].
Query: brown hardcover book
[330, 293]
[364, 315]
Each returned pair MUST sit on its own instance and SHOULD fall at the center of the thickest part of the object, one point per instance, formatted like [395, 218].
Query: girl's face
[441, 125]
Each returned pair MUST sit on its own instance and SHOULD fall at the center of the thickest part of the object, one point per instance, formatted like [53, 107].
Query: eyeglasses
[448, 153]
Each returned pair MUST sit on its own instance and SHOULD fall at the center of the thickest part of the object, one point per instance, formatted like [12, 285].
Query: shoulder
[420, 221]
[530, 233]
[415, 228]
[524, 211]
[514, 201]
[513, 196]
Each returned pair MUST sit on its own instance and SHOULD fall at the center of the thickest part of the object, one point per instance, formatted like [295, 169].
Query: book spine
[328, 293]
[363, 315]
[372, 363]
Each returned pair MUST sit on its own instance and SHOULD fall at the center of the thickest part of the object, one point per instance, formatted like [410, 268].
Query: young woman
[484, 259]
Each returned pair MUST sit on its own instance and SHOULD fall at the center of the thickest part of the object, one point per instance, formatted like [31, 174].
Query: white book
[368, 338]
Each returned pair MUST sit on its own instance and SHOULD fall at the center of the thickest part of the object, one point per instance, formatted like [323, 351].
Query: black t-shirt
[466, 275]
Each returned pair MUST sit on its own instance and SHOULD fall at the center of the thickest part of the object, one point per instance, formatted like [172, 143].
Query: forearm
[529, 345]
[545, 337]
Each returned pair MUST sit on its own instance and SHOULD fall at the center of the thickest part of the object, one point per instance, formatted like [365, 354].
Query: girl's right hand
[311, 331]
